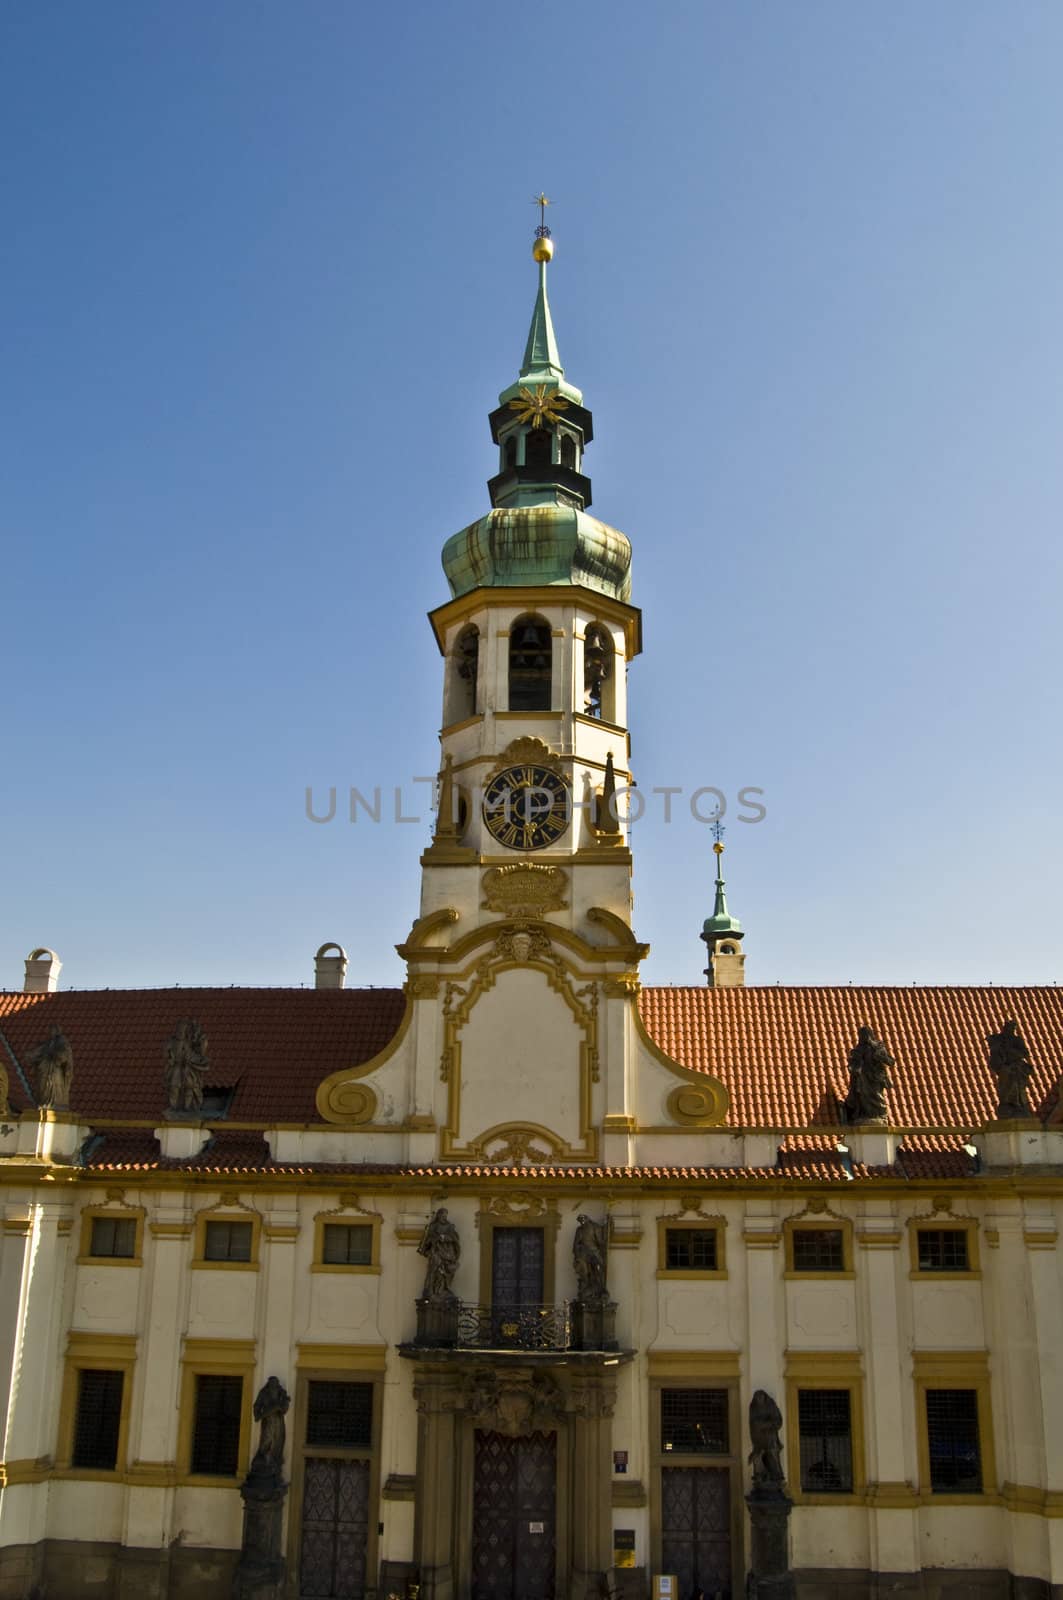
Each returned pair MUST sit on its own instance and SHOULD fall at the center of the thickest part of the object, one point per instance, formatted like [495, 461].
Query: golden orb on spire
[543, 247]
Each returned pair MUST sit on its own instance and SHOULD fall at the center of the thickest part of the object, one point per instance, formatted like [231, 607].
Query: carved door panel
[514, 1514]
[335, 1530]
[516, 1279]
[696, 1530]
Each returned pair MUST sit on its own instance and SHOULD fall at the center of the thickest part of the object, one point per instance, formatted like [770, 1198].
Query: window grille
[952, 1439]
[690, 1249]
[227, 1241]
[943, 1250]
[114, 1236]
[347, 1244]
[824, 1423]
[818, 1250]
[339, 1415]
[98, 1419]
[694, 1422]
[216, 1432]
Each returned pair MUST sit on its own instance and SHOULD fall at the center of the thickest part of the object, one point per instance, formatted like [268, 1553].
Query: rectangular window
[818, 1250]
[824, 1424]
[339, 1415]
[690, 1249]
[694, 1422]
[114, 1237]
[216, 1429]
[346, 1244]
[98, 1419]
[227, 1241]
[943, 1250]
[952, 1438]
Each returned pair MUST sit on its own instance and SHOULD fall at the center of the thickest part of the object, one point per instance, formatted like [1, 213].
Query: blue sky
[265, 269]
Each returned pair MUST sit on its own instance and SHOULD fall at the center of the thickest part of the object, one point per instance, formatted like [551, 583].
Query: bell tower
[535, 641]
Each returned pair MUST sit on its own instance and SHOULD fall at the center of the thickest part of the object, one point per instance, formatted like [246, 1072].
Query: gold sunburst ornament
[538, 406]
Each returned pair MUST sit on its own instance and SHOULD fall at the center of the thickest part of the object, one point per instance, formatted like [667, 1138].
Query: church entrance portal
[514, 1514]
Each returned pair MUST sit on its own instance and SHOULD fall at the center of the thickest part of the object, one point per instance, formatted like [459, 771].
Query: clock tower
[523, 951]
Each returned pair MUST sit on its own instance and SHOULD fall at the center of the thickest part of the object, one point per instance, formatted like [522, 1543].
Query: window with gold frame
[943, 1248]
[686, 1246]
[112, 1236]
[818, 1247]
[954, 1438]
[239, 1250]
[827, 1457]
[90, 1357]
[346, 1242]
[232, 1359]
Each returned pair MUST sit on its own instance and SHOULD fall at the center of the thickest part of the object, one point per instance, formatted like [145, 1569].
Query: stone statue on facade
[765, 1421]
[868, 1079]
[186, 1067]
[53, 1063]
[589, 1248]
[1009, 1062]
[271, 1405]
[441, 1248]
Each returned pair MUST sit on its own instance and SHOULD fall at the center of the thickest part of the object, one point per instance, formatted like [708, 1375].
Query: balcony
[567, 1326]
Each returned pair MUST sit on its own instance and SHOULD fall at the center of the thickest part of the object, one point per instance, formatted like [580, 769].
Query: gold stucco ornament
[539, 405]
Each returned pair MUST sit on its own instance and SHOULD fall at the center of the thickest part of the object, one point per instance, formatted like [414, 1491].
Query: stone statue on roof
[441, 1247]
[1009, 1062]
[53, 1063]
[765, 1423]
[868, 1079]
[589, 1246]
[186, 1067]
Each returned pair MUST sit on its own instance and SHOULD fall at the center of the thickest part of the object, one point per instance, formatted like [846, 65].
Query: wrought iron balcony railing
[502, 1327]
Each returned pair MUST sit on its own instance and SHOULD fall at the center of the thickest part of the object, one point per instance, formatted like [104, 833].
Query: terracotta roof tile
[273, 1045]
[783, 1052]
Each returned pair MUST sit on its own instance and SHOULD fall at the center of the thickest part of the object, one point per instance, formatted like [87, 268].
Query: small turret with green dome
[721, 932]
[538, 531]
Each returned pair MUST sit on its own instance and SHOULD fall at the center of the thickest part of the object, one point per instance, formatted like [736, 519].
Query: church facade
[526, 1281]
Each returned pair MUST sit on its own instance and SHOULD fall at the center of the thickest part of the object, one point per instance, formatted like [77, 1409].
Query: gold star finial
[542, 201]
[543, 248]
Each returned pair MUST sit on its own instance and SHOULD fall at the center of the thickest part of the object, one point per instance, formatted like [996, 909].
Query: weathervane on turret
[721, 932]
[543, 248]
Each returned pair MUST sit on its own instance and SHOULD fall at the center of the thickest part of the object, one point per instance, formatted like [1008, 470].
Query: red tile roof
[783, 1052]
[273, 1045]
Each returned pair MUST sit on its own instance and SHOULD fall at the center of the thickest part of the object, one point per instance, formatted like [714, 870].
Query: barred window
[114, 1236]
[824, 1423]
[347, 1244]
[216, 1430]
[694, 1421]
[227, 1241]
[952, 1439]
[98, 1419]
[690, 1249]
[339, 1414]
[943, 1250]
[818, 1250]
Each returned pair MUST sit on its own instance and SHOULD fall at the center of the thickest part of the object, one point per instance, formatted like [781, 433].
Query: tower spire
[542, 363]
[721, 932]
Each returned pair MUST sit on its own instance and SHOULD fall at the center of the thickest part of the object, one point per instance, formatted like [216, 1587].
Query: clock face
[527, 808]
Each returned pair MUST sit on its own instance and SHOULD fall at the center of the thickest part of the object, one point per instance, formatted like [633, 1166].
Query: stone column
[1046, 1288]
[36, 1366]
[894, 1535]
[438, 1397]
[592, 1398]
[143, 1573]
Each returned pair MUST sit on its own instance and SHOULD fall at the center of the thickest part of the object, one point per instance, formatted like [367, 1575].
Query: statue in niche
[765, 1422]
[1009, 1062]
[53, 1063]
[186, 1067]
[589, 1256]
[441, 1248]
[271, 1406]
[868, 1079]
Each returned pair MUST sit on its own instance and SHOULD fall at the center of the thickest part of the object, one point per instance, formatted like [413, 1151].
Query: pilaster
[894, 1531]
[439, 1399]
[592, 1397]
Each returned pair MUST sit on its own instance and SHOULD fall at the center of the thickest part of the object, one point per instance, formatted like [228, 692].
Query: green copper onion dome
[539, 531]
